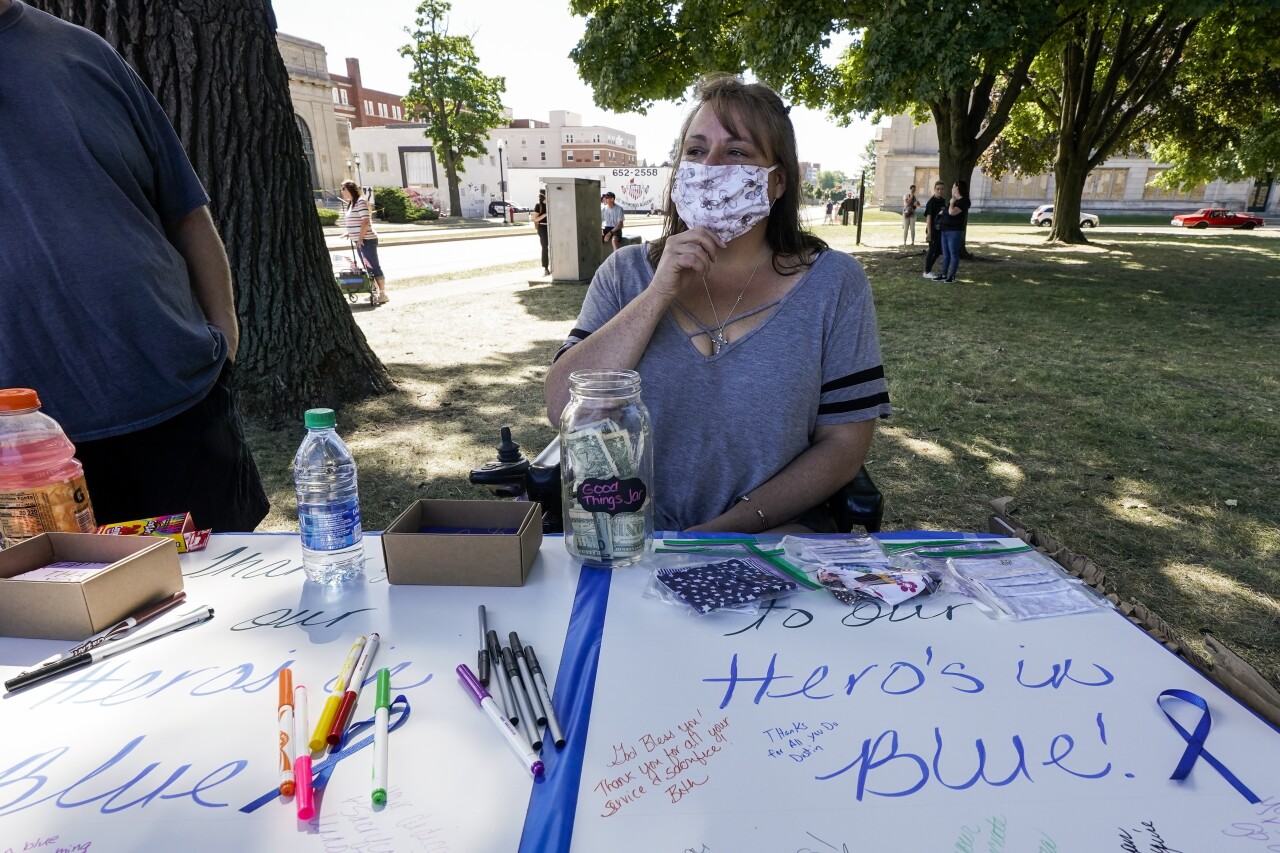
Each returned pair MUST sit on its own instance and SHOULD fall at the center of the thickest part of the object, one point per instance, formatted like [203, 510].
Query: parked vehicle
[499, 208]
[1217, 217]
[1043, 217]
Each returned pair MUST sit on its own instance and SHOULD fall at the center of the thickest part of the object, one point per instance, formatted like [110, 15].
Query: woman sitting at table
[756, 343]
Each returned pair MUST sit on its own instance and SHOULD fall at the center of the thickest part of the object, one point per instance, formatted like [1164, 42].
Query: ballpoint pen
[108, 650]
[121, 628]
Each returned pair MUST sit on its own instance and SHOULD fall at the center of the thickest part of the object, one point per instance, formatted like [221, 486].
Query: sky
[528, 42]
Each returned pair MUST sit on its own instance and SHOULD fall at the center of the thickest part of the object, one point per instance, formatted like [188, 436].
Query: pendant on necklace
[718, 342]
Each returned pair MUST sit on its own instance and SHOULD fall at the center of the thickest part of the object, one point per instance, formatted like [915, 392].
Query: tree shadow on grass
[1123, 407]
[559, 302]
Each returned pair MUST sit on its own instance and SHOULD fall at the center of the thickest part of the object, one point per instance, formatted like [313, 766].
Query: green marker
[381, 716]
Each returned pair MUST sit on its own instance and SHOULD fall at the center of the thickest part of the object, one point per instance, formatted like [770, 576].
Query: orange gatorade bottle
[41, 482]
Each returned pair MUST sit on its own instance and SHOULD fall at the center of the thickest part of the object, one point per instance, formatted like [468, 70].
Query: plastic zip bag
[1022, 584]
[734, 584]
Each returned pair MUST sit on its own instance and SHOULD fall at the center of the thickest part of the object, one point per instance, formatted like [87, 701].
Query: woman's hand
[688, 253]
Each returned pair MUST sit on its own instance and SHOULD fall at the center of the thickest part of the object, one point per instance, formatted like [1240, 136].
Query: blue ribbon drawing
[1195, 742]
[399, 714]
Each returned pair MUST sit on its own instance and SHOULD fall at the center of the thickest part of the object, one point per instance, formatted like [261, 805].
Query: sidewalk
[409, 233]
[403, 234]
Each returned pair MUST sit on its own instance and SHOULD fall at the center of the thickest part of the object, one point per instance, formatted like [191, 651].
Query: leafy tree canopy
[448, 92]
[1223, 120]
[827, 180]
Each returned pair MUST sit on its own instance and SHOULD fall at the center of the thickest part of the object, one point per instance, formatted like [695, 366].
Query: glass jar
[606, 468]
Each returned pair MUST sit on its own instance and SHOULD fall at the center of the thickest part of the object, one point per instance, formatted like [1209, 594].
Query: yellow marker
[318, 737]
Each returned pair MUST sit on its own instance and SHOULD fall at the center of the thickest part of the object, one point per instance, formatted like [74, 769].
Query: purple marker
[518, 744]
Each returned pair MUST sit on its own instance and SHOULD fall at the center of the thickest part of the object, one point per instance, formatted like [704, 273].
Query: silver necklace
[718, 340]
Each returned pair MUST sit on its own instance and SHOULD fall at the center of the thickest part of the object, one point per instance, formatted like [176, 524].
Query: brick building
[361, 106]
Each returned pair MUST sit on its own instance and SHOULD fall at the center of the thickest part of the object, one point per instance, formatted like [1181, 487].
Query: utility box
[573, 228]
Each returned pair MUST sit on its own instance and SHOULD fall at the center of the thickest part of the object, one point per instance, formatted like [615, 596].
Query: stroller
[354, 277]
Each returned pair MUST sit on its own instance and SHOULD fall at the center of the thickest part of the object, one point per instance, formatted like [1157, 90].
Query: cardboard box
[143, 570]
[181, 528]
[461, 545]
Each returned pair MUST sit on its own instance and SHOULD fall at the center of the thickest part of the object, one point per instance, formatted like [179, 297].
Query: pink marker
[302, 793]
[303, 796]
[518, 745]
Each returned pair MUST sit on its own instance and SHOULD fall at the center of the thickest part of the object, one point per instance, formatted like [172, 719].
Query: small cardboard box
[463, 543]
[142, 570]
[181, 528]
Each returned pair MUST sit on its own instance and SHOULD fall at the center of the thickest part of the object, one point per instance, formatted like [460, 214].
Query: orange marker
[285, 718]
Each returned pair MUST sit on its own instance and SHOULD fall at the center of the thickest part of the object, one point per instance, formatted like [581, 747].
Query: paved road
[423, 259]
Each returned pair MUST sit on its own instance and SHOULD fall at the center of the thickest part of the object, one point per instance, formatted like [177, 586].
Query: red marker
[348, 706]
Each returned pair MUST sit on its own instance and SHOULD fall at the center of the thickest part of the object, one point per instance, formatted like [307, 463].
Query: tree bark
[216, 70]
[451, 176]
[1069, 176]
[958, 154]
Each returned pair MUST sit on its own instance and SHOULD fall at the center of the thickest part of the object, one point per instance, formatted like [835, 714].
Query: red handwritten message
[663, 763]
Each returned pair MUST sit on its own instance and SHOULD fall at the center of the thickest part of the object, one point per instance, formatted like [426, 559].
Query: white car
[1044, 217]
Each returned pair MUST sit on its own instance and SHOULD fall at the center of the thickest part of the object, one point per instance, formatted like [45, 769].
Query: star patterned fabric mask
[726, 200]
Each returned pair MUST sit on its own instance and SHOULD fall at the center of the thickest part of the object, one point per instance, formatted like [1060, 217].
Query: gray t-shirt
[99, 316]
[725, 424]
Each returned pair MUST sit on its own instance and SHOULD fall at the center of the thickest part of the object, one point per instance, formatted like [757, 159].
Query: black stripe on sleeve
[854, 405]
[576, 336]
[858, 378]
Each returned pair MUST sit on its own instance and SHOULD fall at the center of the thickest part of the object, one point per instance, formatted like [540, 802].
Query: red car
[1217, 217]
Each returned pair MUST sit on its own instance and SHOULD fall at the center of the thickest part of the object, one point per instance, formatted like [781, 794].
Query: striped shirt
[354, 217]
[725, 424]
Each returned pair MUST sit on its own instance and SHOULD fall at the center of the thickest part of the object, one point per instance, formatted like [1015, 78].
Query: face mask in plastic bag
[1025, 585]
[854, 585]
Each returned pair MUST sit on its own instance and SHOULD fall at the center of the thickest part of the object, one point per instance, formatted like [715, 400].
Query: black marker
[522, 697]
[535, 702]
[557, 736]
[482, 661]
[500, 677]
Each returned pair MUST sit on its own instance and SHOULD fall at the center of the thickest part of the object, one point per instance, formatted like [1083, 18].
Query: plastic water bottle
[324, 476]
[41, 482]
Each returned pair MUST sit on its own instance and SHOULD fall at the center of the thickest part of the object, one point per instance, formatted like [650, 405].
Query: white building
[907, 153]
[638, 189]
[401, 155]
[565, 142]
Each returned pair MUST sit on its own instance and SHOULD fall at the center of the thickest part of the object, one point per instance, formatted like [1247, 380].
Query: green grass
[1123, 392]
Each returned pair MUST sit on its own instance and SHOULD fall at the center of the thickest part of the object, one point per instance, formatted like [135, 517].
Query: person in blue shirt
[117, 292]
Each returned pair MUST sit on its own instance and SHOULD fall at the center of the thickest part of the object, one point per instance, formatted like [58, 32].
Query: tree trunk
[216, 70]
[451, 176]
[1069, 175]
[958, 154]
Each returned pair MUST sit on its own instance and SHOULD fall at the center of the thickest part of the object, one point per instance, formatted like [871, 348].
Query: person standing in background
[118, 309]
[909, 205]
[933, 208]
[828, 219]
[952, 222]
[540, 222]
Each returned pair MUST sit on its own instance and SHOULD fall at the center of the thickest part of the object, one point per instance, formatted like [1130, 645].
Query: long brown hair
[356, 193]
[753, 111]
